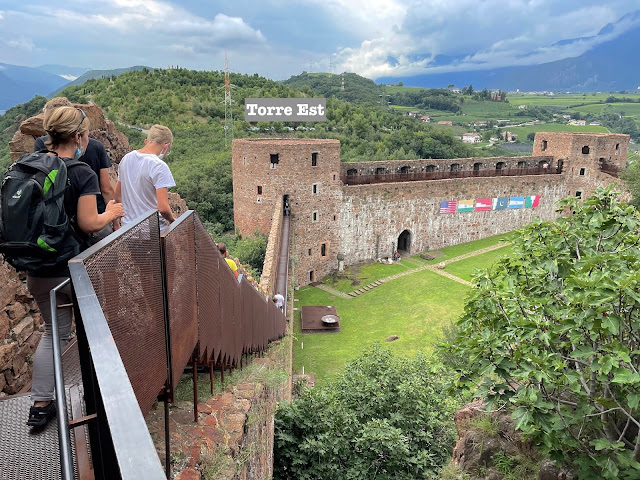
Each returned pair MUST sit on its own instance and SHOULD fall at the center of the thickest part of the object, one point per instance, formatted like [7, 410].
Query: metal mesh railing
[421, 176]
[180, 265]
[127, 278]
[131, 293]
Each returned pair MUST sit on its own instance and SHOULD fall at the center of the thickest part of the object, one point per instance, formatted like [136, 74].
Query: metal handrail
[64, 438]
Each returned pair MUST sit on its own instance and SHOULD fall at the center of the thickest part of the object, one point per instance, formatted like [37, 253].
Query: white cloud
[23, 44]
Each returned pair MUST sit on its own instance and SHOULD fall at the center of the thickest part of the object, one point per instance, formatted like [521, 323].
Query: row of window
[585, 149]
[323, 250]
[454, 167]
[315, 189]
[274, 158]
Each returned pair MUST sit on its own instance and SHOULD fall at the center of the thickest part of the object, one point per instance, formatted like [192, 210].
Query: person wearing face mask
[68, 130]
[144, 178]
[95, 156]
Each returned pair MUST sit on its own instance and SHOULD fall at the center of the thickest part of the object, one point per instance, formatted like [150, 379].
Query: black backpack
[36, 234]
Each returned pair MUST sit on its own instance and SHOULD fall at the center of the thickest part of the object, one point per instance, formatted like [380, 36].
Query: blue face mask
[78, 153]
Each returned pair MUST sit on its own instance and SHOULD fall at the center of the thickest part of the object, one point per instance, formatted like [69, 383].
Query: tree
[385, 417]
[554, 333]
[631, 177]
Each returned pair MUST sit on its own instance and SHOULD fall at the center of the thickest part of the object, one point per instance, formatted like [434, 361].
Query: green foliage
[10, 122]
[631, 176]
[554, 332]
[357, 89]
[385, 417]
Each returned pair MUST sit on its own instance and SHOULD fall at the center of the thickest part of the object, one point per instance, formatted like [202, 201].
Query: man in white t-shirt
[279, 301]
[144, 178]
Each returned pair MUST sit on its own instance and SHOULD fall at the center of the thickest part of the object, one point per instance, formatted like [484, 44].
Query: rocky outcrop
[483, 436]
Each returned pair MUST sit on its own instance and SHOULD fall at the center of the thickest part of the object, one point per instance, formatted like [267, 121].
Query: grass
[366, 274]
[464, 269]
[414, 307]
[464, 248]
[522, 132]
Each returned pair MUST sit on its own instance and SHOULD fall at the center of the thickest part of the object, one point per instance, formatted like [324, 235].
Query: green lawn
[414, 307]
[522, 132]
[463, 248]
[465, 268]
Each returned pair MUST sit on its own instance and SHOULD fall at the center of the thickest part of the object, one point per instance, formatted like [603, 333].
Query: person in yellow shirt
[232, 265]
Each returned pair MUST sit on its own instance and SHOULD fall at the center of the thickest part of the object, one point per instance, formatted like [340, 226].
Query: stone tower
[306, 174]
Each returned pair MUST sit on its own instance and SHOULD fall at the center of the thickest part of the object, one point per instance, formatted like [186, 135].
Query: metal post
[61, 412]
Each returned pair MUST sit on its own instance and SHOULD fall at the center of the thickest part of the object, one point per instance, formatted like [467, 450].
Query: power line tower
[228, 112]
[342, 82]
[330, 66]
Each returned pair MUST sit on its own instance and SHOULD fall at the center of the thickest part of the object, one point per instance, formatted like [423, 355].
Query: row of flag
[485, 204]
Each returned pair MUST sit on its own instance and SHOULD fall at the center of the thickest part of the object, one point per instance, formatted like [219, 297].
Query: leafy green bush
[555, 331]
[386, 417]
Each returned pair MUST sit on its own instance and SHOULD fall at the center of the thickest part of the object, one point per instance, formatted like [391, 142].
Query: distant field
[563, 100]
[522, 132]
[630, 109]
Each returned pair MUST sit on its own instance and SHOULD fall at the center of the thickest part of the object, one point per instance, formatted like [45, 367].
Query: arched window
[500, 165]
[430, 168]
[477, 166]
[455, 167]
[405, 169]
[522, 164]
[381, 171]
[352, 171]
[585, 150]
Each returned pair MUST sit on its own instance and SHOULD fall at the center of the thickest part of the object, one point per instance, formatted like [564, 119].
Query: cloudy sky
[279, 38]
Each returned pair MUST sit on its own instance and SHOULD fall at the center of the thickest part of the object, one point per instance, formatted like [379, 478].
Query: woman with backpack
[68, 130]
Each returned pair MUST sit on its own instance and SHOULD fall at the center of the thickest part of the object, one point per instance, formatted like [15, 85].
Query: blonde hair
[62, 123]
[159, 134]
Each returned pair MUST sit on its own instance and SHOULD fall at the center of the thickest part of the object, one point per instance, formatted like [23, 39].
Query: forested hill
[191, 104]
[357, 89]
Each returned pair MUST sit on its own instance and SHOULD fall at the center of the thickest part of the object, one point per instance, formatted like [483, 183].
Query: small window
[522, 164]
[259, 188]
[500, 165]
[477, 166]
[275, 159]
[335, 217]
[314, 159]
[585, 150]
[455, 167]
[582, 170]
[323, 250]
[244, 161]
[259, 200]
[381, 171]
[314, 216]
[404, 169]
[617, 148]
[544, 145]
[312, 276]
[578, 194]
[431, 168]
[335, 177]
[314, 188]
[352, 171]
[309, 252]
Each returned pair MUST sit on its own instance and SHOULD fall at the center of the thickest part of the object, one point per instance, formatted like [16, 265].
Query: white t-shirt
[140, 174]
[279, 300]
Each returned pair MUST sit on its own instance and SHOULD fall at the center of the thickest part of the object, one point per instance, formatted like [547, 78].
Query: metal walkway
[27, 454]
[282, 279]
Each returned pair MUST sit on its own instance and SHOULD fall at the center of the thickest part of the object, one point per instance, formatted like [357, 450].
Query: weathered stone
[4, 325]
[16, 312]
[33, 127]
[21, 143]
[550, 471]
[10, 282]
[22, 330]
[6, 354]
[188, 474]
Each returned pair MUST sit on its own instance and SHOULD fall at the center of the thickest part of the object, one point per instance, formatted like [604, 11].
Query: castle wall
[572, 148]
[373, 216]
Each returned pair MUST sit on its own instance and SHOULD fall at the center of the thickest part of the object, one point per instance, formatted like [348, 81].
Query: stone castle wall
[372, 217]
[364, 222]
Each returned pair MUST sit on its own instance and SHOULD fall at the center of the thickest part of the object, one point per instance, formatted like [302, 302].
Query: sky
[280, 38]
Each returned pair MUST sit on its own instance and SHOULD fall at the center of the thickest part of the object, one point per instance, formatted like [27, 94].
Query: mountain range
[609, 66]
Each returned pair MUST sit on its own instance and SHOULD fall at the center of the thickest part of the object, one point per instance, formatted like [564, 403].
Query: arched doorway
[404, 242]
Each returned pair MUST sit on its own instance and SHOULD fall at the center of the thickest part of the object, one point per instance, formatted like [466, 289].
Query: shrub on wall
[384, 417]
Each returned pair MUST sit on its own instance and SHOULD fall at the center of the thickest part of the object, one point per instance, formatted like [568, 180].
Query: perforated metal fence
[126, 276]
[180, 262]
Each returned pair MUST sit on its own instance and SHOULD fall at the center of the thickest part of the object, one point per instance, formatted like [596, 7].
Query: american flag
[448, 206]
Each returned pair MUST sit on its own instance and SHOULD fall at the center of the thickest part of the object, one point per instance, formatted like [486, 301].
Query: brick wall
[271, 256]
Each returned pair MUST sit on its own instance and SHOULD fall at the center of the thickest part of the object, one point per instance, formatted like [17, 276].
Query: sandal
[39, 416]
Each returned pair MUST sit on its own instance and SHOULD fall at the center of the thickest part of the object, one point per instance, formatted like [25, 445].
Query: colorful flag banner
[448, 206]
[531, 201]
[500, 203]
[483, 204]
[465, 205]
[516, 202]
